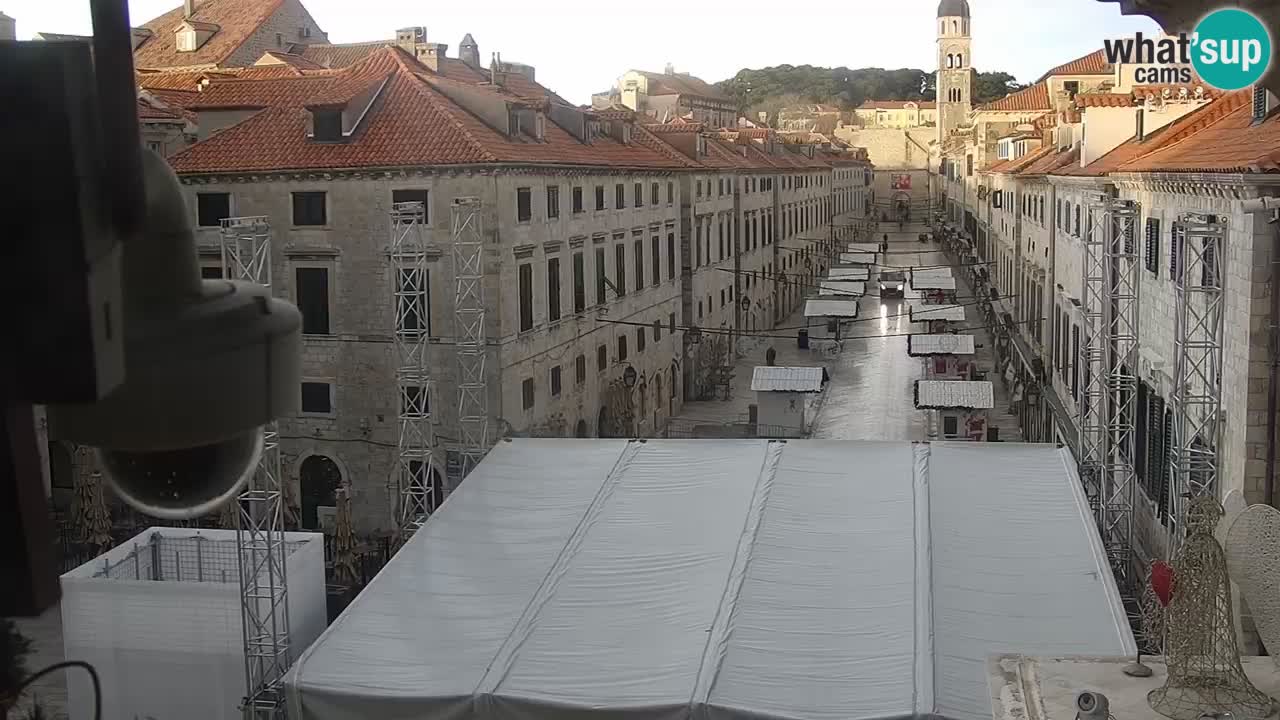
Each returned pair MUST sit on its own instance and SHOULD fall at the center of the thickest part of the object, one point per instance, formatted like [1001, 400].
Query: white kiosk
[781, 394]
[841, 287]
[857, 258]
[957, 408]
[828, 319]
[934, 289]
[947, 356]
[849, 273]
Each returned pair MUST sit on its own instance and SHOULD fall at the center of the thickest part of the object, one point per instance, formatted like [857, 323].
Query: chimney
[496, 75]
[469, 51]
[188, 8]
[430, 54]
[670, 69]
[1140, 132]
[8, 28]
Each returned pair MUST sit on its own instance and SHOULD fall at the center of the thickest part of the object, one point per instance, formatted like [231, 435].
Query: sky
[581, 47]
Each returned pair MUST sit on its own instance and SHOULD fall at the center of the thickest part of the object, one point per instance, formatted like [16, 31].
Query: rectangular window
[602, 358]
[1077, 222]
[640, 339]
[637, 195]
[671, 256]
[655, 271]
[526, 297]
[553, 201]
[600, 277]
[671, 322]
[1151, 252]
[697, 246]
[599, 197]
[619, 196]
[577, 200]
[553, 289]
[409, 195]
[212, 208]
[579, 283]
[1075, 364]
[653, 194]
[657, 330]
[721, 228]
[310, 208]
[671, 193]
[317, 398]
[620, 272]
[526, 393]
[524, 204]
[639, 253]
[1208, 264]
[555, 381]
[414, 301]
[622, 348]
[1177, 238]
[312, 295]
[580, 369]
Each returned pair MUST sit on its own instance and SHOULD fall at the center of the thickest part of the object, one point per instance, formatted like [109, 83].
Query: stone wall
[288, 21]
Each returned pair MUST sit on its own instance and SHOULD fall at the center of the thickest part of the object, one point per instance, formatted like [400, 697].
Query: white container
[159, 618]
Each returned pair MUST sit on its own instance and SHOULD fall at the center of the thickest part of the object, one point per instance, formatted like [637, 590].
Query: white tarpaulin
[848, 273]
[950, 313]
[723, 579]
[851, 288]
[857, 258]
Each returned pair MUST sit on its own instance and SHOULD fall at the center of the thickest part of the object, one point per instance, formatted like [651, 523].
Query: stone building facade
[1021, 182]
[590, 259]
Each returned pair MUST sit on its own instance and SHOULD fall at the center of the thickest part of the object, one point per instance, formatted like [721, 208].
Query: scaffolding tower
[264, 605]
[1196, 264]
[416, 468]
[469, 332]
[1109, 356]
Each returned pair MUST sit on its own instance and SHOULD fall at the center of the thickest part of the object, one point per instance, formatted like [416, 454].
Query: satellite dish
[1253, 562]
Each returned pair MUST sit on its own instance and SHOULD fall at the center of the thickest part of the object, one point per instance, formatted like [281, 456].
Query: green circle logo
[1231, 49]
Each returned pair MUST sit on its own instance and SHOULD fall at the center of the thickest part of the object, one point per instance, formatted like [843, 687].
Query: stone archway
[319, 479]
[582, 431]
[602, 423]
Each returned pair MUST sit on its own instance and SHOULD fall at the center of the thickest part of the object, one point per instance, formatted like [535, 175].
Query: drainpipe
[1273, 380]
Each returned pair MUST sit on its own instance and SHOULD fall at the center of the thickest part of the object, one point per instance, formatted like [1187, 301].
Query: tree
[772, 88]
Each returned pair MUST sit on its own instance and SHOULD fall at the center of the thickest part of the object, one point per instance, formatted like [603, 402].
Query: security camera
[1092, 706]
[207, 364]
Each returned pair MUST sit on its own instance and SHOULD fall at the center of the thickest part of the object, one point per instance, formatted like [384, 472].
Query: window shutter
[1153, 246]
[1175, 252]
[1208, 264]
[1167, 470]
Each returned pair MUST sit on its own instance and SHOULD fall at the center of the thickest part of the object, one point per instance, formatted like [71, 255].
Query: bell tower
[955, 66]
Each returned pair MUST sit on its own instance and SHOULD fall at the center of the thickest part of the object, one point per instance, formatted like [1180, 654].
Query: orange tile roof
[409, 124]
[1095, 63]
[1049, 163]
[681, 84]
[1142, 92]
[999, 166]
[1220, 137]
[672, 127]
[1104, 99]
[290, 59]
[191, 80]
[1028, 99]
[236, 20]
[149, 111]
[1132, 149]
[340, 55]
[1016, 165]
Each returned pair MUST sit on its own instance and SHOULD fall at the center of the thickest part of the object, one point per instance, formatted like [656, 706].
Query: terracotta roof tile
[235, 20]
[273, 57]
[150, 111]
[684, 127]
[1051, 162]
[681, 84]
[1142, 92]
[1028, 99]
[1016, 165]
[341, 55]
[1095, 63]
[1219, 137]
[409, 124]
[1104, 99]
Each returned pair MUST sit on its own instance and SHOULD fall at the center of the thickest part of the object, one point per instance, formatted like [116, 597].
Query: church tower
[955, 66]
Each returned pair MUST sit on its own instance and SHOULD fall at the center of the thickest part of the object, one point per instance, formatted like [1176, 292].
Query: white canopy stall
[928, 313]
[848, 273]
[957, 408]
[863, 247]
[946, 356]
[841, 286]
[725, 579]
[857, 258]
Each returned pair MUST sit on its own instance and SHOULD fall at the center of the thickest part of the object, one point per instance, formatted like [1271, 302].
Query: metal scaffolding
[1109, 355]
[264, 606]
[1196, 400]
[417, 473]
[469, 332]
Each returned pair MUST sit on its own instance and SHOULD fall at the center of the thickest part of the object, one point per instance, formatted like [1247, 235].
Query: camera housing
[1092, 706]
[207, 364]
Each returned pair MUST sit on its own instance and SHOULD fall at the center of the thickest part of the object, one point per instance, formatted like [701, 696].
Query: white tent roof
[863, 247]
[930, 272]
[767, 378]
[952, 313]
[848, 273]
[943, 344]
[724, 579]
[858, 258]
[841, 287]
[974, 394]
[933, 282]
[831, 306]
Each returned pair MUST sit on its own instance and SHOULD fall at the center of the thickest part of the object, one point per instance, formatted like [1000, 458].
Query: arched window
[950, 60]
[959, 60]
[602, 423]
[319, 478]
[582, 430]
[955, 26]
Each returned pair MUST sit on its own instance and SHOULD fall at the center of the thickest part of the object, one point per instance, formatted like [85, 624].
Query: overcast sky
[581, 47]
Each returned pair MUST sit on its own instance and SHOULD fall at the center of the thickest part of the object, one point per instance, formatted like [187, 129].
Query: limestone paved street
[870, 393]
